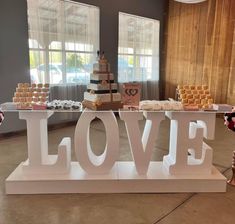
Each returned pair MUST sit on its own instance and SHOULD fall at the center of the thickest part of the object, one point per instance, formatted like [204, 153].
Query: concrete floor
[117, 208]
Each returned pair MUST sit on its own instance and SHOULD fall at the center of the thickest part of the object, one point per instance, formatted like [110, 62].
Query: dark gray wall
[14, 61]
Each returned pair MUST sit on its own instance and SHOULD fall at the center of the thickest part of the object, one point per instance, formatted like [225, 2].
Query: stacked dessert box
[195, 96]
[102, 91]
[27, 95]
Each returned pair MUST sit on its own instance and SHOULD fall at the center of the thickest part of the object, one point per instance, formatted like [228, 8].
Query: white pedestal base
[178, 172]
[123, 178]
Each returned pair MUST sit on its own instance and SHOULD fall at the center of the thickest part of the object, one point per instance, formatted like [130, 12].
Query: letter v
[142, 150]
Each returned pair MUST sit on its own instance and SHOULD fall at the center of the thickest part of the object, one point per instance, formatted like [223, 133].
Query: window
[138, 52]
[63, 41]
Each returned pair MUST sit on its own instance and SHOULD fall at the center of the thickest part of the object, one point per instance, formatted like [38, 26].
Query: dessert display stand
[187, 168]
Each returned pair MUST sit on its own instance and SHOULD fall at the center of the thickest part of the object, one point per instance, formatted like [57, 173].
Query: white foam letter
[39, 161]
[187, 136]
[91, 163]
[142, 150]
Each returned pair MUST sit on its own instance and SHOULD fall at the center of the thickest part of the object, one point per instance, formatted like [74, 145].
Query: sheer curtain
[63, 41]
[138, 54]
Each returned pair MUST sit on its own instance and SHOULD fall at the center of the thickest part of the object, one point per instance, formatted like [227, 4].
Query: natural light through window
[138, 52]
[63, 41]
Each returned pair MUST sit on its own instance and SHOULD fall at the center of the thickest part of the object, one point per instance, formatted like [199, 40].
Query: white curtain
[138, 54]
[63, 41]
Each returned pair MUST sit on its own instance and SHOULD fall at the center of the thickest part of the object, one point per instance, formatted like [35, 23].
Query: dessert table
[187, 168]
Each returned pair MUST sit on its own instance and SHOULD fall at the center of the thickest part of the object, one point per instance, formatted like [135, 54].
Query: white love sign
[185, 136]
[186, 168]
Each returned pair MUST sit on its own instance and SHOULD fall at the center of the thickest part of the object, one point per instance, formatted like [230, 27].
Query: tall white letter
[39, 161]
[187, 136]
[142, 150]
[91, 163]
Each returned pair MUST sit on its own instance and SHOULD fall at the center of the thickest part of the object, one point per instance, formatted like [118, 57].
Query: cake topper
[103, 57]
[98, 55]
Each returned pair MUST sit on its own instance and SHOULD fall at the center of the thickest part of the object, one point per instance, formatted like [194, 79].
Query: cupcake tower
[197, 97]
[27, 95]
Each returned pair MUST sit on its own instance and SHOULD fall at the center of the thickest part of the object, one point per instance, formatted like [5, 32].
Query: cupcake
[35, 99]
[188, 91]
[29, 99]
[46, 85]
[210, 101]
[203, 96]
[203, 101]
[190, 96]
[19, 90]
[196, 96]
[20, 85]
[17, 94]
[26, 85]
[183, 96]
[45, 90]
[192, 87]
[191, 101]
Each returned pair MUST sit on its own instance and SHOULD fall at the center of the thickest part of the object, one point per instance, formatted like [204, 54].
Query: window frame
[46, 51]
[135, 54]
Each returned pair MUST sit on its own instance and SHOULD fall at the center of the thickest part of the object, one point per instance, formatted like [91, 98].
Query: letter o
[90, 162]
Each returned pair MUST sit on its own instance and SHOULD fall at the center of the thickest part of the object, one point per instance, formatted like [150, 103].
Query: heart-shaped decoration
[131, 92]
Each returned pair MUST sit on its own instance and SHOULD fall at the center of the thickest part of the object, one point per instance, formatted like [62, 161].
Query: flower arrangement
[229, 120]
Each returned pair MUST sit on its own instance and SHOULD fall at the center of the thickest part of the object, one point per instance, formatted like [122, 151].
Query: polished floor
[218, 208]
